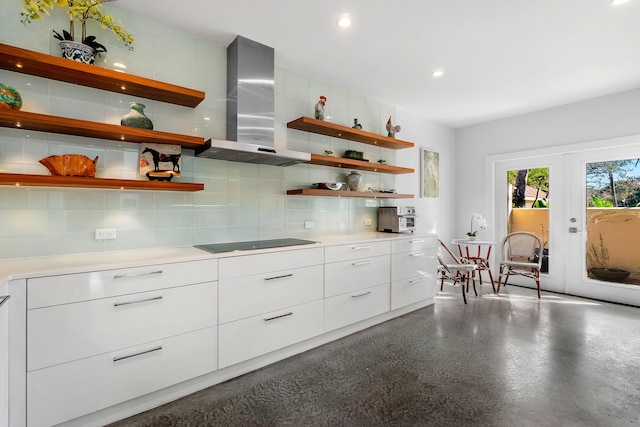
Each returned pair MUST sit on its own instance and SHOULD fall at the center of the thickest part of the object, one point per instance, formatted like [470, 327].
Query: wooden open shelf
[101, 183]
[341, 162]
[62, 125]
[359, 194]
[64, 70]
[321, 127]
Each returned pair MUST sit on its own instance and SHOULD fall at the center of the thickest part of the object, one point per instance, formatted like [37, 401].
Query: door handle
[574, 230]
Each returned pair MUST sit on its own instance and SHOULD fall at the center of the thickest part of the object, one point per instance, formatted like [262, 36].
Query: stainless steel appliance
[250, 110]
[397, 219]
[253, 244]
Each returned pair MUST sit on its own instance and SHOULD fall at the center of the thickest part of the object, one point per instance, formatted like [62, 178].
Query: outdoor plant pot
[610, 274]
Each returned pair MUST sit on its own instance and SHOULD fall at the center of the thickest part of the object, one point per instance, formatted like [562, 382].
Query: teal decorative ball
[10, 99]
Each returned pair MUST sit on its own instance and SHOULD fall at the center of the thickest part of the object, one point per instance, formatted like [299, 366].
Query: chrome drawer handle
[416, 241]
[416, 280]
[279, 277]
[118, 304]
[4, 299]
[122, 276]
[361, 263]
[418, 254]
[361, 295]
[359, 248]
[151, 350]
[278, 317]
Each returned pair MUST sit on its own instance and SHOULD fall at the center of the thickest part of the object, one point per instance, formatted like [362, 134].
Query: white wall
[599, 118]
[240, 201]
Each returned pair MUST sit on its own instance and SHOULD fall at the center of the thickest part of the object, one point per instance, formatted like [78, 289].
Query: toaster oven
[397, 219]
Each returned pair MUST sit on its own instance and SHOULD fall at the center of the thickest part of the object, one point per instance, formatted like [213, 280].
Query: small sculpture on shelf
[353, 154]
[71, 165]
[319, 109]
[356, 125]
[392, 129]
[136, 118]
[10, 99]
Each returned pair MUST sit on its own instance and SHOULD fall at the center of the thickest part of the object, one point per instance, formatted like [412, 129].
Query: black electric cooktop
[253, 244]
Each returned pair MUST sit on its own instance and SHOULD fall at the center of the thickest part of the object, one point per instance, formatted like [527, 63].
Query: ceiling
[501, 57]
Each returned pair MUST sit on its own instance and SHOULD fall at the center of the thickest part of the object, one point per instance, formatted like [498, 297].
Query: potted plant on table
[480, 222]
[598, 259]
[85, 48]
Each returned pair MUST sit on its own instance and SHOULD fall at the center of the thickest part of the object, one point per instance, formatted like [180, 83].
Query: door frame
[559, 185]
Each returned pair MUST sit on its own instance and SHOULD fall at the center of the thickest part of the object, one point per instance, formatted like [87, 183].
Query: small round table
[476, 257]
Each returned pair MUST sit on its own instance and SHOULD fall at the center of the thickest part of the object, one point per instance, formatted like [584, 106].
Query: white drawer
[346, 309]
[248, 338]
[349, 276]
[67, 391]
[356, 251]
[408, 291]
[249, 296]
[69, 332]
[249, 265]
[417, 243]
[410, 264]
[67, 288]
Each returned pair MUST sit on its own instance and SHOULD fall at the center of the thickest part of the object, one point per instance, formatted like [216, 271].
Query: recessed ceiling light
[437, 73]
[618, 2]
[344, 20]
[119, 65]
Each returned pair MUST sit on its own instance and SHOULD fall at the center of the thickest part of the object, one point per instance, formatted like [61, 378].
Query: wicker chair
[521, 255]
[455, 270]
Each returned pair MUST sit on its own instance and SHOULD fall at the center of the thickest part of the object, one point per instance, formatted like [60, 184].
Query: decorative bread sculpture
[71, 165]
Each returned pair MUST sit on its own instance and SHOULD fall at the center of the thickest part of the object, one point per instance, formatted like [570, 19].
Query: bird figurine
[392, 129]
[320, 108]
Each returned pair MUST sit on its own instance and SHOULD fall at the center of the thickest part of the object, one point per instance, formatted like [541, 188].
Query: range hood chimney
[250, 110]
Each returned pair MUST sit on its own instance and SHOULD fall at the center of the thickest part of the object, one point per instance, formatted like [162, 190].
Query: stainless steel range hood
[250, 110]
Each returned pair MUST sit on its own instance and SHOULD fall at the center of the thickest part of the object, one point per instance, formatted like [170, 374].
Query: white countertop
[21, 268]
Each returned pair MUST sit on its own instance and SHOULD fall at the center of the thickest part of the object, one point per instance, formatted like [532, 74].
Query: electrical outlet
[105, 233]
[309, 224]
[368, 221]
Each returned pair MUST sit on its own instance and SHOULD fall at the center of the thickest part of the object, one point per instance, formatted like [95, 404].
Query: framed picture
[429, 173]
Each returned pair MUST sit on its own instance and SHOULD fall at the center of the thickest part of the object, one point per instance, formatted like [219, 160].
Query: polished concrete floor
[507, 360]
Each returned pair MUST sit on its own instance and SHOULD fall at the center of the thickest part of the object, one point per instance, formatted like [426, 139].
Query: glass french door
[603, 224]
[593, 214]
[539, 209]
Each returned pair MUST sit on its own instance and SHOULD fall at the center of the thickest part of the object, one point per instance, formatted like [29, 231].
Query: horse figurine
[159, 157]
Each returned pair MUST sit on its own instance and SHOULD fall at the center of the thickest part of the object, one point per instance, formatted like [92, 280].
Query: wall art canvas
[160, 159]
[429, 173]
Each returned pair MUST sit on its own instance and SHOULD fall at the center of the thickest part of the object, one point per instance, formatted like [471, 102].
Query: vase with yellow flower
[81, 48]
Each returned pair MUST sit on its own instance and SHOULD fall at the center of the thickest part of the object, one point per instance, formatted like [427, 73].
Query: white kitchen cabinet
[68, 332]
[249, 265]
[356, 251]
[352, 275]
[413, 270]
[243, 297]
[269, 301]
[352, 307]
[357, 280]
[68, 288]
[248, 338]
[84, 343]
[99, 338]
[69, 390]
[4, 353]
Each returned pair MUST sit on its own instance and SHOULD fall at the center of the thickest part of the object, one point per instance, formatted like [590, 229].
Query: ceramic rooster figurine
[392, 129]
[320, 108]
